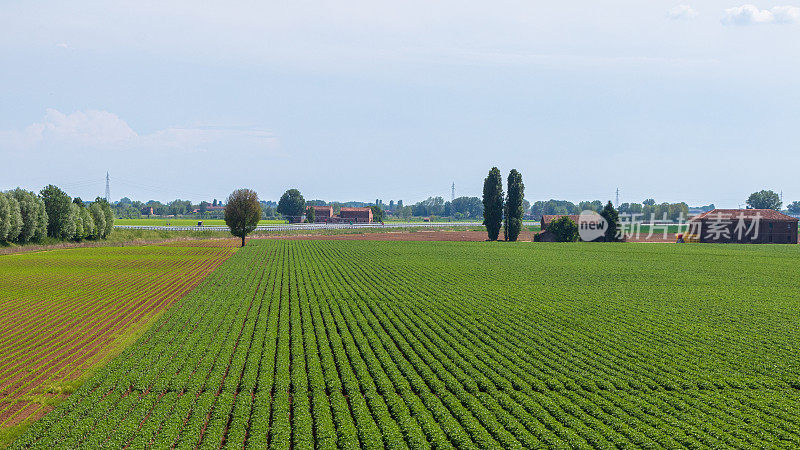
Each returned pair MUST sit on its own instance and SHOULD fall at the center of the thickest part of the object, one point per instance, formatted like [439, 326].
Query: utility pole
[108, 189]
[617, 205]
[453, 192]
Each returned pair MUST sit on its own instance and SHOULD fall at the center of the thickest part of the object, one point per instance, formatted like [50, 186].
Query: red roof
[355, 209]
[735, 214]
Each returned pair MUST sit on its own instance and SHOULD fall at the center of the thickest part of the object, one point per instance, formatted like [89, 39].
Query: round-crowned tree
[764, 200]
[57, 205]
[242, 212]
[564, 229]
[292, 205]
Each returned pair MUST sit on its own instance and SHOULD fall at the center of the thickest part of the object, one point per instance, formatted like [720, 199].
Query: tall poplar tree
[514, 209]
[493, 203]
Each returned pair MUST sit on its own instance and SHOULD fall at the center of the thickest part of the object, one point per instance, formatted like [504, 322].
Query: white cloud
[682, 12]
[107, 131]
[751, 15]
[91, 128]
[786, 14]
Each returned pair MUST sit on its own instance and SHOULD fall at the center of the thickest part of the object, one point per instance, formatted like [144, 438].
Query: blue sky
[359, 100]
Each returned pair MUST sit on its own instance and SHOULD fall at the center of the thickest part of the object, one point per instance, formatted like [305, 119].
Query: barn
[323, 213]
[356, 215]
[547, 218]
[743, 226]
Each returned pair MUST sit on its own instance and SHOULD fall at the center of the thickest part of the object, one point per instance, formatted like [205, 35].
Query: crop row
[452, 345]
[64, 310]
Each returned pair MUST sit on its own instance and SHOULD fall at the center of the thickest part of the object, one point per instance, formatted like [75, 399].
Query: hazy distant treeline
[672, 211]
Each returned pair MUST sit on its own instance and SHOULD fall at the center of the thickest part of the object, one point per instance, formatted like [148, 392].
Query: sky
[358, 100]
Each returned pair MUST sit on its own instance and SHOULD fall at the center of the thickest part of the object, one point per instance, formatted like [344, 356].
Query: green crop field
[347, 344]
[153, 222]
[62, 312]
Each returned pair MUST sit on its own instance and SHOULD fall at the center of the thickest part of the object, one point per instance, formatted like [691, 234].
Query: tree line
[29, 217]
[436, 206]
[672, 211]
[126, 208]
[650, 209]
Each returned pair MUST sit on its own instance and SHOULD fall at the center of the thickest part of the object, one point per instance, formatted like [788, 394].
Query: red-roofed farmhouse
[356, 215]
[743, 226]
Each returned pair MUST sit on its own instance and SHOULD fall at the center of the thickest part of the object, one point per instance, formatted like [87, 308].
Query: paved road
[318, 226]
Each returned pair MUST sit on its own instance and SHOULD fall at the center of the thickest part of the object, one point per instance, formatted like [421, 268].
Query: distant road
[318, 226]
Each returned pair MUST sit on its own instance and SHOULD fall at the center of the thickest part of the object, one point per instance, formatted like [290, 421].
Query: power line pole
[617, 205]
[453, 192]
[108, 189]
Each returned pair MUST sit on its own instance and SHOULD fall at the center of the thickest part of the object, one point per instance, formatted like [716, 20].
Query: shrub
[564, 229]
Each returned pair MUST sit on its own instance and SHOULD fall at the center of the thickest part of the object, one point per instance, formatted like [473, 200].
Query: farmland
[484, 345]
[65, 311]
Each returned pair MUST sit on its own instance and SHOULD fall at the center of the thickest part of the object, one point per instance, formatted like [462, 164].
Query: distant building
[356, 215]
[743, 226]
[323, 213]
[547, 218]
[147, 211]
